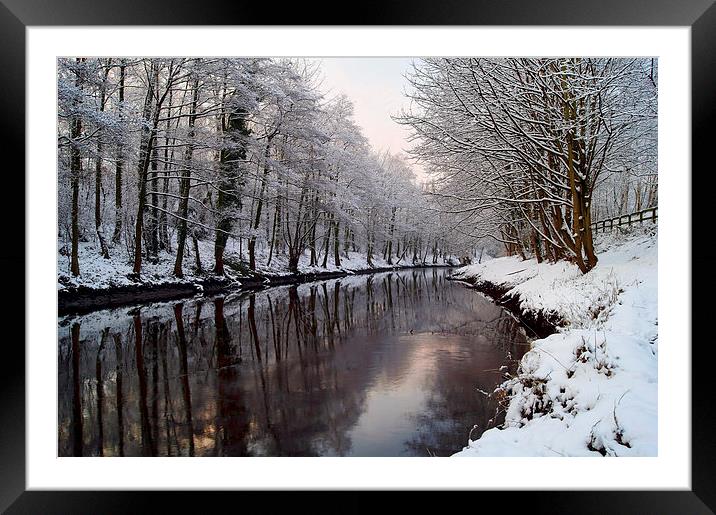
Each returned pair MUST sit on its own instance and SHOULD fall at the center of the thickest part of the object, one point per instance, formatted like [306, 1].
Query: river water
[389, 364]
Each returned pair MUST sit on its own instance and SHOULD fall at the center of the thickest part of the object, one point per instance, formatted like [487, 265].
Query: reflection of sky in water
[391, 399]
[395, 400]
[382, 365]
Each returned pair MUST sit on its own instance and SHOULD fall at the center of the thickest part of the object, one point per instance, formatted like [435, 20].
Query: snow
[99, 273]
[591, 388]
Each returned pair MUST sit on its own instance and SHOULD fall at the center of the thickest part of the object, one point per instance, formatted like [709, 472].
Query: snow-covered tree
[518, 147]
[179, 154]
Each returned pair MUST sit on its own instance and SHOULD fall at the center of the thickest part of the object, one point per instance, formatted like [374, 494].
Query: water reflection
[377, 365]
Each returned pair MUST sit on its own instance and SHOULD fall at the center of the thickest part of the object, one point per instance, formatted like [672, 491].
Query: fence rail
[618, 221]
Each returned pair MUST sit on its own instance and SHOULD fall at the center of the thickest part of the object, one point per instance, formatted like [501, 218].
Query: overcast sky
[375, 85]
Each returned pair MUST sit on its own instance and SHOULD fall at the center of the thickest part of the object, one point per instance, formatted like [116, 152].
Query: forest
[531, 152]
[243, 157]
[248, 159]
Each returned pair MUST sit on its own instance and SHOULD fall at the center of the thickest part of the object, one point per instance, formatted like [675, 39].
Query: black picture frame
[16, 15]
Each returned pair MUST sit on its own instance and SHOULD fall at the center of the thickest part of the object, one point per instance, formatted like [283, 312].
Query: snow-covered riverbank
[591, 388]
[110, 282]
[100, 274]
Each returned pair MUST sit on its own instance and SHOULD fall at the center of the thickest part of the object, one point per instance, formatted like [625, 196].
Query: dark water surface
[374, 365]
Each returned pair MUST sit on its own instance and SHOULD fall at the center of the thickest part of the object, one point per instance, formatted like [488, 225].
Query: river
[389, 364]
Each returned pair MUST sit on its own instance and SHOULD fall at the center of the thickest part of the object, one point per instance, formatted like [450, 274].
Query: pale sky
[375, 85]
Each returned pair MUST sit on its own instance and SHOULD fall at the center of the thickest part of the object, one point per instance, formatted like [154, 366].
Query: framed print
[420, 252]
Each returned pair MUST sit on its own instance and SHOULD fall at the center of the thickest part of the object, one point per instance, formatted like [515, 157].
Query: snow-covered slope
[591, 388]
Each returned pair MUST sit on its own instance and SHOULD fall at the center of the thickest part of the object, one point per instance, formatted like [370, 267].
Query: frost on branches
[173, 168]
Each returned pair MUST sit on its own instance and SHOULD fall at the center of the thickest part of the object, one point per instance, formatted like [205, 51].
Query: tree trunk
[154, 228]
[346, 241]
[197, 255]
[75, 170]
[276, 221]
[312, 246]
[328, 239]
[164, 242]
[185, 185]
[145, 153]
[293, 257]
[259, 205]
[119, 167]
[337, 244]
[234, 127]
[581, 219]
[390, 237]
[98, 178]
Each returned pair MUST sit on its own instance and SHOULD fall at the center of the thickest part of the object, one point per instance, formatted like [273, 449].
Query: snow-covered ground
[591, 388]
[99, 273]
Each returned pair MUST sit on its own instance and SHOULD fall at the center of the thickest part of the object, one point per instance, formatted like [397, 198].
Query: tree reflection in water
[384, 364]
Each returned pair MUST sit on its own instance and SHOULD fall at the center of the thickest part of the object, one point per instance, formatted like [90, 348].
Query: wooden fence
[649, 214]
